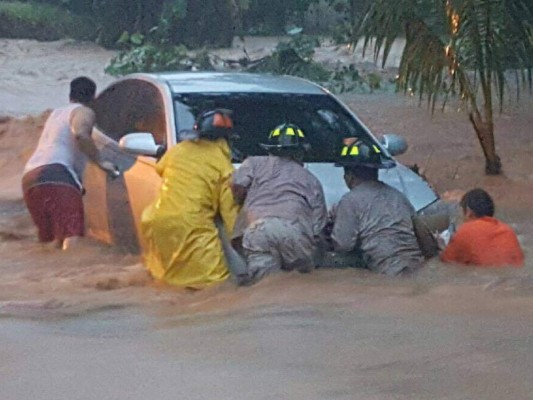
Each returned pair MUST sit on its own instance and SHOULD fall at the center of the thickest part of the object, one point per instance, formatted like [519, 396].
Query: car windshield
[324, 122]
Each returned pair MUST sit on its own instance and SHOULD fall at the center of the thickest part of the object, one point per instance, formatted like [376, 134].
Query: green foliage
[271, 17]
[81, 7]
[345, 79]
[294, 58]
[374, 81]
[459, 47]
[42, 22]
[196, 24]
[149, 58]
[341, 33]
[455, 46]
[116, 16]
[209, 23]
[303, 45]
[169, 27]
[141, 55]
[348, 79]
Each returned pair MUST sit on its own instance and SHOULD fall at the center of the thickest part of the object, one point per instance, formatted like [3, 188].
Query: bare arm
[82, 121]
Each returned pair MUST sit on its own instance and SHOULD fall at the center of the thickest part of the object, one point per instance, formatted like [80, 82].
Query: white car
[141, 115]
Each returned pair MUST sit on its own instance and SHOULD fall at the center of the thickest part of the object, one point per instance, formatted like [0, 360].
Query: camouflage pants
[273, 244]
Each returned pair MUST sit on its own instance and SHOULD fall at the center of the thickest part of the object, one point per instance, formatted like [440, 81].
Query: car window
[131, 106]
[324, 122]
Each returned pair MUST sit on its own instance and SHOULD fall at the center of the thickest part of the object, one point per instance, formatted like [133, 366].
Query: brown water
[91, 324]
[294, 352]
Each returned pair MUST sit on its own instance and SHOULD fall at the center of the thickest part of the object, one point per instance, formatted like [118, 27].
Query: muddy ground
[91, 324]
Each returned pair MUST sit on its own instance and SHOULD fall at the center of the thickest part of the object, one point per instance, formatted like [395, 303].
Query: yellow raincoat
[181, 239]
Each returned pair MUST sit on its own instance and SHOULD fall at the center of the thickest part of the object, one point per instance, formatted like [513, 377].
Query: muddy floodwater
[350, 350]
[91, 323]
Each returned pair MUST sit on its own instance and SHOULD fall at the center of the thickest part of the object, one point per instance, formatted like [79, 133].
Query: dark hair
[82, 90]
[362, 172]
[479, 202]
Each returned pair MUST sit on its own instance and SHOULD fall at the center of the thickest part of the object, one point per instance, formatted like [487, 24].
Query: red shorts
[57, 210]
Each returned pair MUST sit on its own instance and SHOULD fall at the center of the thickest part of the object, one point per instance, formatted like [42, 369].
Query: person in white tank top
[52, 176]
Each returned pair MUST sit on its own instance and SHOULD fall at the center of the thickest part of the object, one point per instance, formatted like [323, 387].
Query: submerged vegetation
[290, 57]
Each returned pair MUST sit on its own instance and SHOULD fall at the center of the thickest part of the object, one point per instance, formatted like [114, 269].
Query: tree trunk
[485, 135]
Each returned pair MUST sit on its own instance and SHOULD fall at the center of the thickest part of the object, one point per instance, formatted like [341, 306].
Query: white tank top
[57, 145]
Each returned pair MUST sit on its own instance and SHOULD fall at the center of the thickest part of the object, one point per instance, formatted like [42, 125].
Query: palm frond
[382, 23]
[453, 46]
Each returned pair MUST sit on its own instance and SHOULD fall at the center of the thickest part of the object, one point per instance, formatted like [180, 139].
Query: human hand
[330, 222]
[443, 238]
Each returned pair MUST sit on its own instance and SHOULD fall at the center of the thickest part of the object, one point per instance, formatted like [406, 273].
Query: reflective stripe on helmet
[287, 130]
[353, 150]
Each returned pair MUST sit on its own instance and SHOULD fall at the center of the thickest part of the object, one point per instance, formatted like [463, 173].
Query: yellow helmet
[286, 137]
[364, 155]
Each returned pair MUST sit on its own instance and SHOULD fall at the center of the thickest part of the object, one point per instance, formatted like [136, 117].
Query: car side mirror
[394, 144]
[140, 143]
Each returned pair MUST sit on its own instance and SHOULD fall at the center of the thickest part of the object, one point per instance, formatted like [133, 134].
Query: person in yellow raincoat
[182, 245]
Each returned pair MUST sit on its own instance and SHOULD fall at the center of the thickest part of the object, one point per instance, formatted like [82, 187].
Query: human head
[361, 162]
[214, 124]
[477, 203]
[353, 175]
[82, 90]
[286, 140]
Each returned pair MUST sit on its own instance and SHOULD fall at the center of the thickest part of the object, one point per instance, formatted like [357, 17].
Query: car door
[113, 207]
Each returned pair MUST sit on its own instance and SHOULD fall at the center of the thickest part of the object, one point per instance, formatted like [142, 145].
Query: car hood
[416, 189]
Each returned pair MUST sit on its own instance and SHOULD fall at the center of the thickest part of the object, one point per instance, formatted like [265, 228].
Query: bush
[273, 17]
[149, 58]
[142, 55]
[76, 6]
[294, 58]
[42, 22]
[116, 16]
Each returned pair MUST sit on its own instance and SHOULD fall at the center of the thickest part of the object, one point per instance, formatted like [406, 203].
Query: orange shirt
[486, 242]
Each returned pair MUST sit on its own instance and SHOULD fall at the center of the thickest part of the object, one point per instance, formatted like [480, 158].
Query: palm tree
[456, 47]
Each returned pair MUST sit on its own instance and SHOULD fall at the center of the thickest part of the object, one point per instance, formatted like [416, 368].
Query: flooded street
[377, 345]
[92, 324]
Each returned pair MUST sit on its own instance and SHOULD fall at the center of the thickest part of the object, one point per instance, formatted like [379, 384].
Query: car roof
[224, 82]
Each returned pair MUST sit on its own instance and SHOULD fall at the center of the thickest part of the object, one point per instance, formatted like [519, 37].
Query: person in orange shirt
[482, 240]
